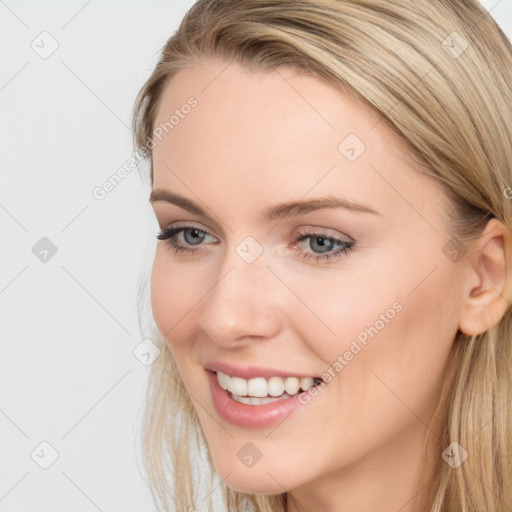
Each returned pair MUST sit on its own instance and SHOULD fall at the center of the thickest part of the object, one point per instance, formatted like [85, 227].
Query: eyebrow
[276, 212]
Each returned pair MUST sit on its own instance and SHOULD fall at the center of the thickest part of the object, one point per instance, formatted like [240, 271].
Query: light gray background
[68, 326]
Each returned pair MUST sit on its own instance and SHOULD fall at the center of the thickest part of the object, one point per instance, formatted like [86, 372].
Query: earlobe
[488, 285]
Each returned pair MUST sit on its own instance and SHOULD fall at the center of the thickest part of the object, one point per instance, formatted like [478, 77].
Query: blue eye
[324, 247]
[191, 235]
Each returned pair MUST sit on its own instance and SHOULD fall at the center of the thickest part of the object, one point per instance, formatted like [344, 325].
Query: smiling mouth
[260, 391]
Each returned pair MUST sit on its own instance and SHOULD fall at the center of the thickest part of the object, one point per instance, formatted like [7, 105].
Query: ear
[488, 280]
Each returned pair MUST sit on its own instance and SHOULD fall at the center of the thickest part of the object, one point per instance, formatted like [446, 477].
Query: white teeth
[307, 383]
[223, 380]
[237, 386]
[291, 385]
[260, 388]
[256, 387]
[275, 386]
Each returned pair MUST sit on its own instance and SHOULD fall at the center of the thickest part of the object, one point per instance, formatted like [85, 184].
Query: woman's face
[369, 300]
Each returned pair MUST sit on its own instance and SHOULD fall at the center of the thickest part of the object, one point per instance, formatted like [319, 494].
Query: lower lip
[251, 416]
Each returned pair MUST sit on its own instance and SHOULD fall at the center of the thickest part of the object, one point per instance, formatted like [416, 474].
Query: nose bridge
[241, 302]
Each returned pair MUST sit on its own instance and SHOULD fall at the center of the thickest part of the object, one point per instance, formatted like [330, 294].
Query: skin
[258, 139]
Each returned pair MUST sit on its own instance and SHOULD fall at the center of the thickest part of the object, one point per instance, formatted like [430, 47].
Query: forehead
[279, 135]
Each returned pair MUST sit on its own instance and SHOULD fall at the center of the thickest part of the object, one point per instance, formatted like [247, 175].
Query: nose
[242, 304]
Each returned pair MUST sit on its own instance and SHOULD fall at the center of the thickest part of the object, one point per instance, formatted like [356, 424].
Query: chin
[249, 483]
[259, 479]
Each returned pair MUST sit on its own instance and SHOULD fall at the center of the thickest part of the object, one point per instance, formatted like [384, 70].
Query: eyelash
[170, 235]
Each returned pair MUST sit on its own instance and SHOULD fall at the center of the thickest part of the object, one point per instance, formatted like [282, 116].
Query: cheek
[340, 307]
[401, 327]
[386, 359]
[175, 289]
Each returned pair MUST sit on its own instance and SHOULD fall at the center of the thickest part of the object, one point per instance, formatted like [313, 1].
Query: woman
[333, 283]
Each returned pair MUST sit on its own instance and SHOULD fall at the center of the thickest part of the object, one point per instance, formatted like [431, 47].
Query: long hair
[439, 74]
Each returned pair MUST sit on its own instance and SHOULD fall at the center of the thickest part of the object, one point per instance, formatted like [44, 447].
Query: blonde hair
[452, 107]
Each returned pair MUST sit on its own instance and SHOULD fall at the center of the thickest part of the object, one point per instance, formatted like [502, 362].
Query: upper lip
[250, 372]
